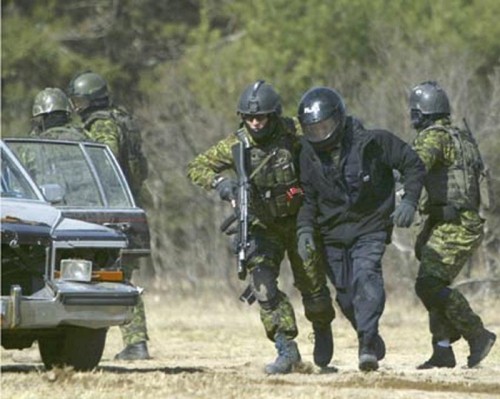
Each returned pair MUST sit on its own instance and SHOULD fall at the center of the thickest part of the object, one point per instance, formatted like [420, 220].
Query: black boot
[480, 345]
[441, 357]
[138, 351]
[323, 344]
[367, 358]
[375, 349]
[288, 356]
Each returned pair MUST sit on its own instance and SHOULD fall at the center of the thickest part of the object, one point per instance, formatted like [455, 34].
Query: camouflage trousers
[268, 248]
[444, 254]
[136, 330]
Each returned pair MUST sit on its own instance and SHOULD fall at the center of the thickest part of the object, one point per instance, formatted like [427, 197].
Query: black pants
[356, 273]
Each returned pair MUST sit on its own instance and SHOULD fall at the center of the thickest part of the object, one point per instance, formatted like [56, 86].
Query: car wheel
[51, 349]
[79, 347]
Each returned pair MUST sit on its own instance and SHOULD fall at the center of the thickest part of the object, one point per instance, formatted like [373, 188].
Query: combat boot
[367, 359]
[378, 347]
[323, 344]
[480, 345]
[288, 356]
[138, 351]
[441, 357]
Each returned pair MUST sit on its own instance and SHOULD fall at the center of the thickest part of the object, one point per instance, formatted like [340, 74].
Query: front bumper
[91, 305]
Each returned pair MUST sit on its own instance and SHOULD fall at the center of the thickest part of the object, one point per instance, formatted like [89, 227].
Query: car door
[93, 187]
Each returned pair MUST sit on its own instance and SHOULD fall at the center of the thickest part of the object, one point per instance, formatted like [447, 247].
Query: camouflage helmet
[49, 100]
[259, 98]
[89, 85]
[429, 98]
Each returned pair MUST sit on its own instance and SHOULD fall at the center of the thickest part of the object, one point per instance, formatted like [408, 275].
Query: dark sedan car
[62, 283]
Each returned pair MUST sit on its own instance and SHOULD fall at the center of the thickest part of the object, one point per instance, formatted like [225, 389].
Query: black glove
[305, 244]
[227, 189]
[404, 213]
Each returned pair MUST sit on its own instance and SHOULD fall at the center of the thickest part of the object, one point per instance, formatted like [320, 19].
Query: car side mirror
[53, 192]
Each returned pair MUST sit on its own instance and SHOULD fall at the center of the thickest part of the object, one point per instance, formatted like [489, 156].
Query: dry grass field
[209, 347]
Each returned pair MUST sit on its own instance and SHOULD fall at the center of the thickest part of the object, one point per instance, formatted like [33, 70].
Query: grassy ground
[214, 347]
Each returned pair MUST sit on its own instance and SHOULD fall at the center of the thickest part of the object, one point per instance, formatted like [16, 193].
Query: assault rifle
[241, 215]
[239, 157]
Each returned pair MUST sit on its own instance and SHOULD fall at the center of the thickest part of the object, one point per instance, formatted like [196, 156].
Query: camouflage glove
[404, 214]
[305, 243]
[227, 189]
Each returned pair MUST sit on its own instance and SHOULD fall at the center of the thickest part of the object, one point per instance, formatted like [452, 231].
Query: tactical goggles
[251, 117]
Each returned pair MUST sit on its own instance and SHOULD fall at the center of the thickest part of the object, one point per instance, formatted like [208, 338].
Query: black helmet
[259, 98]
[428, 102]
[50, 99]
[322, 115]
[89, 85]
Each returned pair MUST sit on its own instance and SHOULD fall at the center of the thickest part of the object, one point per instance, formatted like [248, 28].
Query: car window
[87, 174]
[13, 183]
[114, 188]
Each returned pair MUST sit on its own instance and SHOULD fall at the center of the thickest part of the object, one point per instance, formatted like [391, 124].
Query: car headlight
[76, 269]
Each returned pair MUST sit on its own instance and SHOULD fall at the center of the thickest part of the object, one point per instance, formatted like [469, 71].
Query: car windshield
[14, 183]
[87, 173]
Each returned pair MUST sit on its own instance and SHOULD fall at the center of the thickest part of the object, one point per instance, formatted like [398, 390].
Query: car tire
[77, 347]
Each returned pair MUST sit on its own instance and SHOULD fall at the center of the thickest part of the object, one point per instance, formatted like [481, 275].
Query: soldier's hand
[227, 189]
[404, 214]
[305, 244]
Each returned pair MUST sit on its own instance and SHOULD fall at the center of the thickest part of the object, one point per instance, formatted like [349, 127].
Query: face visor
[317, 132]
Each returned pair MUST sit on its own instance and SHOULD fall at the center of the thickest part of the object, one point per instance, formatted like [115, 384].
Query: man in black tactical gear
[453, 228]
[275, 197]
[347, 177]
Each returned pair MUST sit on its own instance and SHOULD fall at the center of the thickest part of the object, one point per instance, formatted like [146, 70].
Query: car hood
[38, 222]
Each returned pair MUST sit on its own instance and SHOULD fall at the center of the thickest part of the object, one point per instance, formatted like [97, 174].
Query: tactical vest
[274, 177]
[457, 184]
[130, 157]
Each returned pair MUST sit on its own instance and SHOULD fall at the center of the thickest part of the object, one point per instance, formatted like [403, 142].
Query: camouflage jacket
[65, 132]
[453, 165]
[273, 168]
[116, 128]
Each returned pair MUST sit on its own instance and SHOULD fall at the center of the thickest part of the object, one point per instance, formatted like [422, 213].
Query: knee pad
[270, 304]
[265, 287]
[432, 291]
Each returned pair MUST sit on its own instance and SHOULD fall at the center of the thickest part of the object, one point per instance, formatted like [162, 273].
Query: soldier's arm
[106, 132]
[433, 146]
[400, 156]
[208, 166]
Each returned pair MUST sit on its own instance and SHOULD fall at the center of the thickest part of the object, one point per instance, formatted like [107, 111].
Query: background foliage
[180, 66]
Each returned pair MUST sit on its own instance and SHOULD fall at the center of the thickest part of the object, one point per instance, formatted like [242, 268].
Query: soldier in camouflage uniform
[453, 229]
[52, 117]
[274, 203]
[113, 126]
